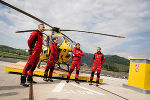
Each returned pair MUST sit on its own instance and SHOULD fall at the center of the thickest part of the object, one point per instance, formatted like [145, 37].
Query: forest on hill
[112, 62]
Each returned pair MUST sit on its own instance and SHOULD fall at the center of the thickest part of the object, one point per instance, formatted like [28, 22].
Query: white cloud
[118, 17]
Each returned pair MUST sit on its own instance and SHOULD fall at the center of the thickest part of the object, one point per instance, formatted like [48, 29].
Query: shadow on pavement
[8, 94]
[10, 87]
[25, 99]
[56, 99]
[104, 84]
[54, 81]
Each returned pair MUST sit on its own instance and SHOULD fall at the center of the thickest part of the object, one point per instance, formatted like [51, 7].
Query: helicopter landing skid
[59, 67]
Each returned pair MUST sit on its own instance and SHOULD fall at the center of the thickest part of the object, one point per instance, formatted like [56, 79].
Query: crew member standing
[35, 42]
[98, 60]
[76, 60]
[51, 60]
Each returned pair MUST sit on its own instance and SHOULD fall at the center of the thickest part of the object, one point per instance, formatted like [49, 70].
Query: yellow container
[139, 73]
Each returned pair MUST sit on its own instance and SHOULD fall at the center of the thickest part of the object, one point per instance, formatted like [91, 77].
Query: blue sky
[129, 18]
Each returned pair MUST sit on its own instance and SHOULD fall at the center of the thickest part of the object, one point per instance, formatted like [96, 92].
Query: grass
[12, 55]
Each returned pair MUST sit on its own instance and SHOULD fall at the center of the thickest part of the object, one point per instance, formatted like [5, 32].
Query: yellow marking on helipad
[18, 67]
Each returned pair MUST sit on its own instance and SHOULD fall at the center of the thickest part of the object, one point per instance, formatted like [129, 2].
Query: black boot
[45, 78]
[90, 82]
[50, 78]
[76, 80]
[23, 81]
[97, 83]
[30, 79]
[68, 79]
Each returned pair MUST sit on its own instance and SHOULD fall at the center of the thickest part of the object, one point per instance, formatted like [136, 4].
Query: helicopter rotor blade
[23, 12]
[48, 30]
[25, 31]
[32, 30]
[94, 33]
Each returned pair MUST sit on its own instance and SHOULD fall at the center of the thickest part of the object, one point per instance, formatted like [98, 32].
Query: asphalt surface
[9, 85]
[10, 89]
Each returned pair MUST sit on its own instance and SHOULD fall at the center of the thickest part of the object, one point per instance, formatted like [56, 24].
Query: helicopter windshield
[60, 40]
[69, 41]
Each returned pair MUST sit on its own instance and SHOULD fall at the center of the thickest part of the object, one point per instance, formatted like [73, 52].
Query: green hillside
[112, 62]
[117, 59]
[116, 63]
[9, 52]
[87, 58]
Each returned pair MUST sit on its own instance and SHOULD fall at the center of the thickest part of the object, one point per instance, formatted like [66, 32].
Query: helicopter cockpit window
[60, 40]
[69, 42]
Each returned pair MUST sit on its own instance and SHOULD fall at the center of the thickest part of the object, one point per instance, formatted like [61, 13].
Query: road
[60, 90]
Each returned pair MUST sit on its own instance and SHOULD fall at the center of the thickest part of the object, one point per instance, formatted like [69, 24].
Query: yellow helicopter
[65, 44]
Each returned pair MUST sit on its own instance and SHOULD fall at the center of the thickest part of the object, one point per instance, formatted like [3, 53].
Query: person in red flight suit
[98, 60]
[76, 60]
[35, 42]
[51, 60]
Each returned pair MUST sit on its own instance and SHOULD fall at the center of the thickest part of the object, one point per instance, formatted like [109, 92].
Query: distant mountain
[8, 49]
[116, 63]
[112, 62]
[87, 58]
[117, 59]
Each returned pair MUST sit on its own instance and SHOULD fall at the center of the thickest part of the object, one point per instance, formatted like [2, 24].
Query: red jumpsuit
[98, 60]
[35, 42]
[52, 59]
[77, 53]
